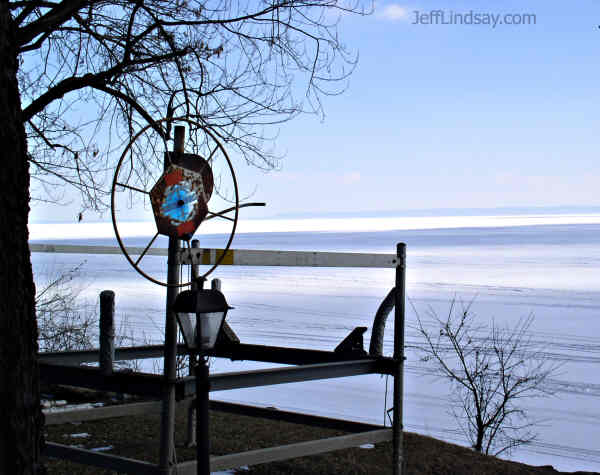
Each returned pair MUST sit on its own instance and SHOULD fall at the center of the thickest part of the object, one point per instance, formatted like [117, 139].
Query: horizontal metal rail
[99, 413]
[121, 354]
[99, 459]
[247, 257]
[236, 351]
[149, 385]
[78, 249]
[293, 417]
[284, 452]
[267, 377]
[278, 354]
[272, 376]
[143, 408]
[239, 257]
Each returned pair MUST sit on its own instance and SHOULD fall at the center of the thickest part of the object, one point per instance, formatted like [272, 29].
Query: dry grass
[137, 437]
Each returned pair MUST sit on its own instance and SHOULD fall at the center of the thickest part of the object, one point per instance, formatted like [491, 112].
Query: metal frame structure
[305, 365]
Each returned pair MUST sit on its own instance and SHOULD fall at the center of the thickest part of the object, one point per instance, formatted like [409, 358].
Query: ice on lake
[549, 268]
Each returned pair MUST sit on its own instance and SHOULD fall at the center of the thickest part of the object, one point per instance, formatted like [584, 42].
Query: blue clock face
[179, 202]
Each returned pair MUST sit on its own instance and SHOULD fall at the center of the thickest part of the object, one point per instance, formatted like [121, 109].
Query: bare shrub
[65, 321]
[491, 369]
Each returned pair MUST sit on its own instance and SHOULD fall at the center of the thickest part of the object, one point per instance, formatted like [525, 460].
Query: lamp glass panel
[187, 323]
[210, 324]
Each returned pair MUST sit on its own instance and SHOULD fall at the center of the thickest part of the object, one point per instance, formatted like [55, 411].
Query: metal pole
[107, 331]
[202, 416]
[398, 436]
[193, 359]
[167, 426]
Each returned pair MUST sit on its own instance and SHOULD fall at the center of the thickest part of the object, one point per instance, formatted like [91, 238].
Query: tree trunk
[20, 413]
[479, 443]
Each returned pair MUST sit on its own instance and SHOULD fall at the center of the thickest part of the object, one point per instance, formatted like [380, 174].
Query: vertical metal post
[193, 359]
[178, 141]
[167, 422]
[202, 405]
[202, 414]
[196, 282]
[107, 331]
[202, 429]
[398, 436]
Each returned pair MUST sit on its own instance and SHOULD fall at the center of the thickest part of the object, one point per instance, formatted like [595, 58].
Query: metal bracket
[353, 343]
[226, 336]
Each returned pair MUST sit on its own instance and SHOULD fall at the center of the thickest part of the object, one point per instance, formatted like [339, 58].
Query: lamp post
[207, 309]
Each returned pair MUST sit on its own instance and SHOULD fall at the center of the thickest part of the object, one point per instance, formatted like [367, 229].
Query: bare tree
[491, 369]
[93, 72]
[79, 77]
[65, 322]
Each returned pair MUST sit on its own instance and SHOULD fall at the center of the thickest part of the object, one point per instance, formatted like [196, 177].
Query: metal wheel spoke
[146, 250]
[220, 214]
[139, 190]
[212, 153]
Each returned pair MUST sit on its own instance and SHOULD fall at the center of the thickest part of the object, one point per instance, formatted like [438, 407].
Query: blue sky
[449, 116]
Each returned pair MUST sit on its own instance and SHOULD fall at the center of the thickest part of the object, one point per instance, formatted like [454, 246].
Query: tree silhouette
[491, 369]
[79, 77]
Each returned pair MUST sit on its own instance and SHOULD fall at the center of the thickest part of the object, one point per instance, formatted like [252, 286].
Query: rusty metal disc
[180, 197]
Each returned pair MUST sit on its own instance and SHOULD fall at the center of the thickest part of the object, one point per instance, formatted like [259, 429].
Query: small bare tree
[65, 322]
[491, 369]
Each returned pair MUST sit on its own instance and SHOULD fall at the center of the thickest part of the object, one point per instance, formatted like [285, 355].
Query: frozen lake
[547, 267]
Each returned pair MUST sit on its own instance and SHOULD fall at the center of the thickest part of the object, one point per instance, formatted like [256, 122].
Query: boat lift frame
[305, 365]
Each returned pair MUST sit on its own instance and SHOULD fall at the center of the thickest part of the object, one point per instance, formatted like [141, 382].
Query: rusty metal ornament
[195, 198]
[180, 196]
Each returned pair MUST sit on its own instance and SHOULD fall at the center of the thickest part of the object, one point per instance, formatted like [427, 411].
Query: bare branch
[58, 14]
[95, 72]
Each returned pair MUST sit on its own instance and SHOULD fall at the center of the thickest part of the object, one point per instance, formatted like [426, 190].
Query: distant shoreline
[409, 213]
[130, 229]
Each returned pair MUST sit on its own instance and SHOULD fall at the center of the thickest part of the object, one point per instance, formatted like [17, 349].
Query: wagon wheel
[125, 170]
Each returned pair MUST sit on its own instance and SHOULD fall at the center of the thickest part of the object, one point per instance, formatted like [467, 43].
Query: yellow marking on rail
[211, 256]
[227, 259]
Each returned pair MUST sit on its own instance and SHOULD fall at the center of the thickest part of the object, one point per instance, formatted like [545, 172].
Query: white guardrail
[240, 257]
